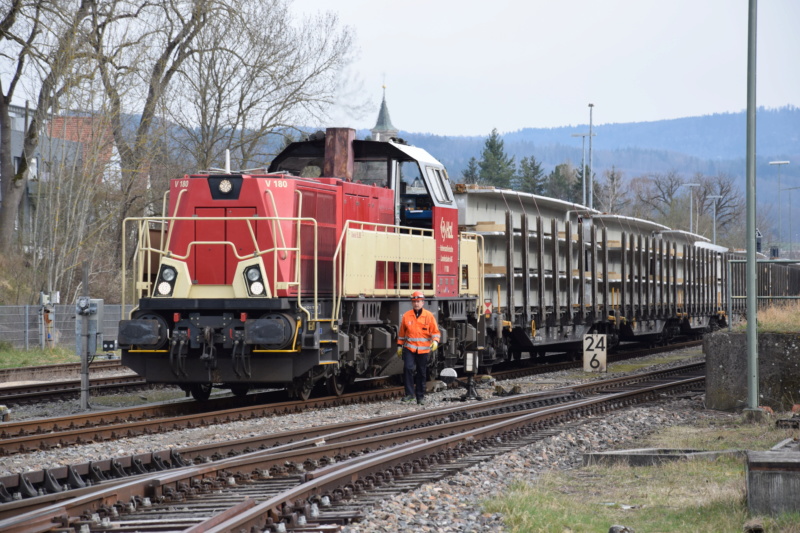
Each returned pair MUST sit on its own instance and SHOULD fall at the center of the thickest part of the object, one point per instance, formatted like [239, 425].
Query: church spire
[384, 130]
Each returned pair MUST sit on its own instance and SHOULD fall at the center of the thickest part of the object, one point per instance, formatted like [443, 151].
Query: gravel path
[451, 505]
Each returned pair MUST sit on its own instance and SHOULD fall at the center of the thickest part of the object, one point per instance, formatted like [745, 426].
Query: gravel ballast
[451, 505]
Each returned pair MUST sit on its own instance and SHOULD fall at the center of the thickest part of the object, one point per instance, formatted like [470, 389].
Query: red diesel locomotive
[296, 276]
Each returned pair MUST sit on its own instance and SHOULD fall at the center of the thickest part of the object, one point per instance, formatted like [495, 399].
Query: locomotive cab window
[440, 185]
[416, 204]
[371, 172]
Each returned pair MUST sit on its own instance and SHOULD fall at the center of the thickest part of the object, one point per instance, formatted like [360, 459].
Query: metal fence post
[27, 327]
[730, 296]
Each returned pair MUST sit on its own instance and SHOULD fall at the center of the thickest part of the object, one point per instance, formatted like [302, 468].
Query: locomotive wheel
[200, 391]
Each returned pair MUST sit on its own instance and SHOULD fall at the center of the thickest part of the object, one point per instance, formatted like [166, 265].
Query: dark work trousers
[415, 367]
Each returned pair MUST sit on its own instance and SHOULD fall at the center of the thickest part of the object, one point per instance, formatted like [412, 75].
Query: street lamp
[780, 222]
[583, 162]
[591, 184]
[691, 204]
[715, 197]
[792, 235]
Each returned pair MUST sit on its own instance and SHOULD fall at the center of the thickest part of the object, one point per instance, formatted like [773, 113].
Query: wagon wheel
[304, 392]
[336, 384]
[240, 389]
[301, 389]
[201, 391]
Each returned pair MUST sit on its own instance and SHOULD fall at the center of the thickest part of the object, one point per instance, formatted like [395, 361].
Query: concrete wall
[726, 370]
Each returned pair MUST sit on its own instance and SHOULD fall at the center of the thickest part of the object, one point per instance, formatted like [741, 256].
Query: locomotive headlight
[168, 274]
[164, 288]
[257, 288]
[253, 274]
[225, 186]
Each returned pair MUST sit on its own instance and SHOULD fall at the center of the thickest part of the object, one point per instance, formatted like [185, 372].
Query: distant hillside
[709, 144]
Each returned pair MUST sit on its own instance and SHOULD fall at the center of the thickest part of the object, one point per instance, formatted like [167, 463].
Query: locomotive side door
[425, 200]
[445, 231]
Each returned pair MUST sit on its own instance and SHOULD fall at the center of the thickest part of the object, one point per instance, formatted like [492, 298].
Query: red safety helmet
[417, 295]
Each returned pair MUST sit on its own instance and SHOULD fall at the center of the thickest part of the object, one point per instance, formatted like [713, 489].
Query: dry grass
[783, 317]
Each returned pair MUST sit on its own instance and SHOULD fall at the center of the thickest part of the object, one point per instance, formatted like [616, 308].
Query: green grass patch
[700, 496]
[11, 357]
[709, 499]
[633, 365]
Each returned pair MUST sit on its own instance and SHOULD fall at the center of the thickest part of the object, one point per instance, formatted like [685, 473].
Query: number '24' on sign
[594, 353]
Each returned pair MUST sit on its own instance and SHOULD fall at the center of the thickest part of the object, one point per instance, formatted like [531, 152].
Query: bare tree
[729, 207]
[72, 222]
[271, 74]
[613, 195]
[657, 192]
[139, 49]
[39, 44]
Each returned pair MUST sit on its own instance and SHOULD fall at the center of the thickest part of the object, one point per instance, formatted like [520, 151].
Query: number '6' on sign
[594, 353]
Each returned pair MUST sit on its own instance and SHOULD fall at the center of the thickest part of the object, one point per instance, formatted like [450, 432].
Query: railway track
[108, 425]
[43, 391]
[319, 477]
[48, 387]
[60, 369]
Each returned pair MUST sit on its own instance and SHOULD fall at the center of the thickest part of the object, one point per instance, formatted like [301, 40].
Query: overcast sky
[463, 67]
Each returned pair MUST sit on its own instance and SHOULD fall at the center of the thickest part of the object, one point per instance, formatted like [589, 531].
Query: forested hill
[708, 144]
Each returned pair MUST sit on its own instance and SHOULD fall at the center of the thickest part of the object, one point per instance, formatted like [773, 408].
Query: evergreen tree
[470, 174]
[530, 177]
[496, 167]
[561, 183]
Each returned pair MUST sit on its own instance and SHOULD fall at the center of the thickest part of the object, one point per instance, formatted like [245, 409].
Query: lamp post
[591, 184]
[715, 197]
[691, 204]
[583, 162]
[792, 235]
[780, 222]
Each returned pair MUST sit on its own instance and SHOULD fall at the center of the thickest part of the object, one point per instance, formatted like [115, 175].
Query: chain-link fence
[32, 326]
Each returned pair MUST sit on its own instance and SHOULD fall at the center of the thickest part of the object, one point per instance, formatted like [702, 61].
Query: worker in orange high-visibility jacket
[419, 335]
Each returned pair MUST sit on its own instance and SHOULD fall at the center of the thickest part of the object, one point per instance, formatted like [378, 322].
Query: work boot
[407, 399]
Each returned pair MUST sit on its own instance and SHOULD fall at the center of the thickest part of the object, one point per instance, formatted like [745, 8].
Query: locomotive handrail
[339, 255]
[144, 249]
[481, 275]
[298, 270]
[280, 228]
[169, 229]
